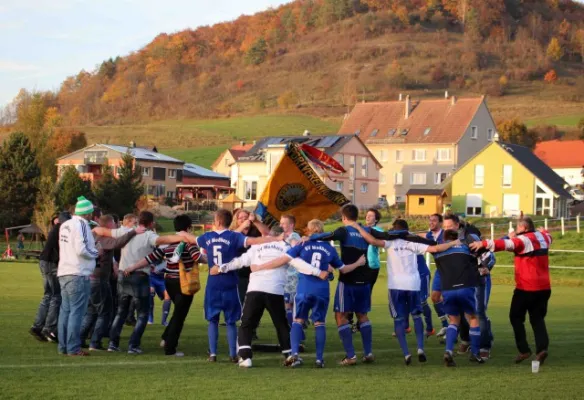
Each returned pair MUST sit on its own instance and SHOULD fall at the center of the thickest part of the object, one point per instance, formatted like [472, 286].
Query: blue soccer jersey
[319, 255]
[221, 247]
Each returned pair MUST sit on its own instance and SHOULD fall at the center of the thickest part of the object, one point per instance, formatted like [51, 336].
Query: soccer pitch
[29, 369]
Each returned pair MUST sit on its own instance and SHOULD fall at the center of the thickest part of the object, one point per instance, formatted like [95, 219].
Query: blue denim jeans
[98, 313]
[48, 313]
[75, 294]
[136, 286]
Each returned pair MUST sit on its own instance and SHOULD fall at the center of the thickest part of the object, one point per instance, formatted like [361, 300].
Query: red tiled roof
[239, 150]
[561, 154]
[447, 122]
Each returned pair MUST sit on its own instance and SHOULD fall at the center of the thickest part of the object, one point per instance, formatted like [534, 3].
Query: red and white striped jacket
[532, 271]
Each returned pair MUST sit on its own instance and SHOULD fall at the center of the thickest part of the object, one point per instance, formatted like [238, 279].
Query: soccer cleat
[135, 350]
[475, 358]
[349, 361]
[430, 333]
[449, 360]
[293, 362]
[113, 349]
[485, 354]
[541, 356]
[80, 353]
[369, 358]
[463, 348]
[37, 335]
[245, 363]
[422, 356]
[177, 354]
[97, 347]
[51, 337]
[212, 358]
[234, 360]
[522, 357]
[408, 360]
[441, 332]
[150, 323]
[319, 364]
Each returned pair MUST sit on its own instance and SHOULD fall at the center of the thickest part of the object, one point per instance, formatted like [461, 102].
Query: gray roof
[194, 170]
[140, 153]
[330, 144]
[538, 168]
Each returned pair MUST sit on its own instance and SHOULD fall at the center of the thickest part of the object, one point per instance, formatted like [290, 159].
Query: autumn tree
[287, 99]
[554, 50]
[581, 127]
[514, 131]
[45, 207]
[551, 76]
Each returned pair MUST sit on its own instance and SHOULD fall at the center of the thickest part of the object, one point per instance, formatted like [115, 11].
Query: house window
[474, 205]
[341, 159]
[383, 155]
[364, 165]
[398, 178]
[339, 186]
[352, 161]
[440, 177]
[158, 174]
[490, 135]
[398, 156]
[226, 162]
[399, 199]
[507, 175]
[172, 173]
[418, 178]
[364, 188]
[374, 133]
[382, 179]
[419, 155]
[479, 176]
[170, 195]
[474, 132]
[421, 201]
[250, 190]
[145, 171]
[443, 154]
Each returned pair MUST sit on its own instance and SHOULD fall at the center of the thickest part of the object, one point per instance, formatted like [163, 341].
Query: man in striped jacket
[532, 284]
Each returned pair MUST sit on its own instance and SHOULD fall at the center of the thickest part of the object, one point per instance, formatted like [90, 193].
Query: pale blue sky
[44, 41]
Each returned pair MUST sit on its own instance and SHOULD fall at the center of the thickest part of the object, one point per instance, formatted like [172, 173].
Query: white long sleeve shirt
[270, 280]
[77, 251]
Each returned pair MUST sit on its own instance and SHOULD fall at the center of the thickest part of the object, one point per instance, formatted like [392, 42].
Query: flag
[295, 188]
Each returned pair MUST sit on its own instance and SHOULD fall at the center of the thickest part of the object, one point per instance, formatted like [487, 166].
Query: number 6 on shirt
[316, 257]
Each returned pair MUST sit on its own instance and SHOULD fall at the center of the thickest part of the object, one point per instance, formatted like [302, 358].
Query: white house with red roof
[566, 158]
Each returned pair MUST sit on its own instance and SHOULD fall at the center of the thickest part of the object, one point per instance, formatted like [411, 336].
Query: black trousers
[182, 305]
[253, 308]
[536, 304]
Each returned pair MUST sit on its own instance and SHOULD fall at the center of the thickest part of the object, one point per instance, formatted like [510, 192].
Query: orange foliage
[551, 76]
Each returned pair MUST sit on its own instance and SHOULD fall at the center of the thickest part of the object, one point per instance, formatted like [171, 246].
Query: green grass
[560, 120]
[203, 156]
[29, 369]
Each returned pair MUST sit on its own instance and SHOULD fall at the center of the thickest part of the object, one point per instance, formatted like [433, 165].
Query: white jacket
[269, 280]
[77, 252]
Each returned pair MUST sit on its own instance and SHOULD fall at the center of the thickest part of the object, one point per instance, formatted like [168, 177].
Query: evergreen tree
[129, 186]
[19, 180]
[70, 187]
[257, 53]
[104, 192]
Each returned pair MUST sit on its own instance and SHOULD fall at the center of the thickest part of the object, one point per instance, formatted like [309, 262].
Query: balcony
[90, 176]
[95, 157]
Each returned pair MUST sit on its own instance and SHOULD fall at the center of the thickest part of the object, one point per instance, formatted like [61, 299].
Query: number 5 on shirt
[217, 258]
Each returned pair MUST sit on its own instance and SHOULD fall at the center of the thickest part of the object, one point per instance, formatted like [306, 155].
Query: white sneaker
[245, 363]
[162, 343]
[441, 332]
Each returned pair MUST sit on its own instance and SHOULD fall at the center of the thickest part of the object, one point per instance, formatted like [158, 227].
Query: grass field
[565, 121]
[29, 369]
[203, 156]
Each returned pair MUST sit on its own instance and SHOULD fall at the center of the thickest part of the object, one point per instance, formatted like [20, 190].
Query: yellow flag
[295, 188]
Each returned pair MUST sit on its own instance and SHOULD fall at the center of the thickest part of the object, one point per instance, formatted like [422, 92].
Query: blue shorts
[289, 298]
[402, 303]
[304, 303]
[425, 287]
[222, 300]
[436, 283]
[352, 298]
[460, 301]
[157, 283]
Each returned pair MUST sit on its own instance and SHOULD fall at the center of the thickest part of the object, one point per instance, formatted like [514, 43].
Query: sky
[44, 41]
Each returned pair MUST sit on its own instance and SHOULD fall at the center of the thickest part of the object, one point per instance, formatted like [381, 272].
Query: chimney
[306, 133]
[496, 137]
[453, 102]
[242, 143]
[400, 97]
[446, 94]
[408, 106]
[132, 144]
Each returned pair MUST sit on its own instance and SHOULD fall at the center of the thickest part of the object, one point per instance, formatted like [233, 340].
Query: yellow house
[222, 165]
[507, 180]
[425, 201]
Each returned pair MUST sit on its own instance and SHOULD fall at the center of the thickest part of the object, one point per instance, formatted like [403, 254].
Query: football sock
[213, 333]
[295, 337]
[320, 339]
[419, 328]
[289, 317]
[475, 340]
[346, 335]
[151, 313]
[165, 310]
[439, 308]
[451, 335]
[232, 339]
[400, 333]
[427, 316]
[367, 337]
[407, 323]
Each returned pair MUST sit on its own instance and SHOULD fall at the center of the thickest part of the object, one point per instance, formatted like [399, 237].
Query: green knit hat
[83, 206]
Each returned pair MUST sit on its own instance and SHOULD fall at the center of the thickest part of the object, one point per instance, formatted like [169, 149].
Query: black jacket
[50, 252]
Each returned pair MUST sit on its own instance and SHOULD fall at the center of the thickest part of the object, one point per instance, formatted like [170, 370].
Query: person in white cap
[77, 255]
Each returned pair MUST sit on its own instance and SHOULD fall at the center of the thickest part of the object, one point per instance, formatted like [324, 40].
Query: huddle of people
[253, 268]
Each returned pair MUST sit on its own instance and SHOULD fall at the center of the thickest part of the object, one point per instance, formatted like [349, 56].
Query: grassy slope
[570, 121]
[203, 156]
[28, 367]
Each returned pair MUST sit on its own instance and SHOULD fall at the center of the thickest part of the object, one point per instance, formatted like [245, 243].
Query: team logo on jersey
[290, 196]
